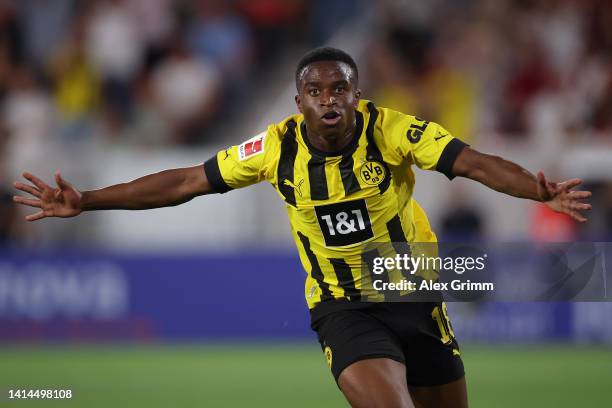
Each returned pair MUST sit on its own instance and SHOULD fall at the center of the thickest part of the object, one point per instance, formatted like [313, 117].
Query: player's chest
[339, 198]
[315, 181]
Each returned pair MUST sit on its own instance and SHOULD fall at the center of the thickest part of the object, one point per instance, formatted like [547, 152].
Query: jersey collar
[346, 149]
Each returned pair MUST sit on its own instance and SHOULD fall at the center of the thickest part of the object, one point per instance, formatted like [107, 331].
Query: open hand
[560, 198]
[63, 201]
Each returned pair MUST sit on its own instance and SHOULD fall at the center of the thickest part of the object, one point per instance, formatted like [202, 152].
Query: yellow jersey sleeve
[426, 144]
[240, 165]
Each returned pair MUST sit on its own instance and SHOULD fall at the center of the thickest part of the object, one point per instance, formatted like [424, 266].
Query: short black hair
[324, 54]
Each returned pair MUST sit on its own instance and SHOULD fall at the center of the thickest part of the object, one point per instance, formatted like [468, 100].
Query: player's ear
[298, 102]
[357, 96]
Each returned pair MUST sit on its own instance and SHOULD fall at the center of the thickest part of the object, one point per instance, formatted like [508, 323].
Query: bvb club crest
[328, 355]
[372, 173]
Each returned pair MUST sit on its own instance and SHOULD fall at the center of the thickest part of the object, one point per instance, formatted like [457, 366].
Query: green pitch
[247, 375]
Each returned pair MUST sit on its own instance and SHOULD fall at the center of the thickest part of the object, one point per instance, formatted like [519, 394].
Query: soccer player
[343, 167]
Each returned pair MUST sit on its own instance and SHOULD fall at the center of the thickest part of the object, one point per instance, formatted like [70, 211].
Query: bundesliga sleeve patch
[251, 147]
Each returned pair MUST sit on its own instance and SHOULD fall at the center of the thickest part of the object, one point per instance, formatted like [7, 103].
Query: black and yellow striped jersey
[338, 202]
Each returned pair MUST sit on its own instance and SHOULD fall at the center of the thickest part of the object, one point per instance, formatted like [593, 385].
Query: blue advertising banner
[98, 296]
[141, 296]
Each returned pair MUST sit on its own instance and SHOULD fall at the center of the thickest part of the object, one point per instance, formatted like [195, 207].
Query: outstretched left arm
[507, 177]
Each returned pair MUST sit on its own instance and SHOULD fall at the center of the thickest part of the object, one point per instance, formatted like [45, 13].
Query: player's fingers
[35, 180]
[35, 216]
[28, 189]
[577, 216]
[28, 201]
[542, 190]
[576, 205]
[541, 179]
[58, 180]
[580, 194]
[61, 183]
[545, 185]
[569, 184]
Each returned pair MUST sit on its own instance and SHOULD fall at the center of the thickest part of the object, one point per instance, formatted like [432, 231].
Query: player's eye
[340, 89]
[313, 92]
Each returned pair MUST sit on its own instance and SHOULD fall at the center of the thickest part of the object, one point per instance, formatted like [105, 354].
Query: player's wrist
[87, 201]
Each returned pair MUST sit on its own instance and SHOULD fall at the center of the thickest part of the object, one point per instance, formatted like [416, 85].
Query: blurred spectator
[276, 24]
[462, 221]
[391, 85]
[29, 118]
[602, 112]
[420, 70]
[597, 15]
[559, 28]
[154, 19]
[10, 43]
[113, 42]
[221, 37]
[77, 86]
[531, 75]
[149, 126]
[186, 91]
[44, 24]
[9, 212]
[11, 46]
[8, 217]
[453, 91]
[115, 49]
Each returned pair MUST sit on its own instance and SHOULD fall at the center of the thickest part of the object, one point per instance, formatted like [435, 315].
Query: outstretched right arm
[163, 189]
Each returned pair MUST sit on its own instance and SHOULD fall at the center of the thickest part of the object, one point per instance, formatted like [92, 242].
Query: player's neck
[331, 142]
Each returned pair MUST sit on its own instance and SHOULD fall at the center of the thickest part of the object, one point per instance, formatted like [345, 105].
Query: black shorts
[419, 335]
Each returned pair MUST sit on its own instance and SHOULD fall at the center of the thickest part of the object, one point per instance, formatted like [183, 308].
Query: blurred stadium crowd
[507, 67]
[166, 73]
[147, 71]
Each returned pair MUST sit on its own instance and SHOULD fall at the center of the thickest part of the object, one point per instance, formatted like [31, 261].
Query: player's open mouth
[331, 118]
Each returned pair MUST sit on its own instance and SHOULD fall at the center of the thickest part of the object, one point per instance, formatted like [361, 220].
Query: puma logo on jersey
[440, 136]
[297, 187]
